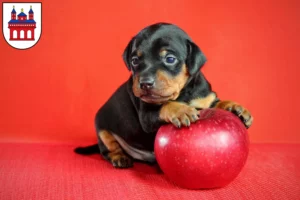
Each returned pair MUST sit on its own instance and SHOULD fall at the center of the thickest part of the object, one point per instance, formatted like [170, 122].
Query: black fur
[87, 150]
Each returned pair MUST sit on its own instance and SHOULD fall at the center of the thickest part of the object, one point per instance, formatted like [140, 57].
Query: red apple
[209, 154]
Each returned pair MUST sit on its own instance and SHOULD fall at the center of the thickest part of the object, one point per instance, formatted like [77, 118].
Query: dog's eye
[135, 61]
[170, 59]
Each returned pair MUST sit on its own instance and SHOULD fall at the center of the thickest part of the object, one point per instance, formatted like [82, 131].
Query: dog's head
[161, 57]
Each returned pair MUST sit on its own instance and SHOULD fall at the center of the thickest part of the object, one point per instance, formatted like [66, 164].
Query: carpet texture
[54, 172]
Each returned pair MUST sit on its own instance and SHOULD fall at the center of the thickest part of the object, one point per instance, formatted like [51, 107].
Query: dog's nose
[146, 83]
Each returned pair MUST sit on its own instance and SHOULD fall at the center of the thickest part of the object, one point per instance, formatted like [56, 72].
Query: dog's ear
[195, 58]
[127, 52]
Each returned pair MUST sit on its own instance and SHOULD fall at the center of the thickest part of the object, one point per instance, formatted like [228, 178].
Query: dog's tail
[88, 150]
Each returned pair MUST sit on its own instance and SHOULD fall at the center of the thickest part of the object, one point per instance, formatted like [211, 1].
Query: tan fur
[205, 102]
[166, 85]
[136, 87]
[116, 154]
[163, 52]
[172, 85]
[139, 53]
[109, 141]
[238, 109]
[178, 113]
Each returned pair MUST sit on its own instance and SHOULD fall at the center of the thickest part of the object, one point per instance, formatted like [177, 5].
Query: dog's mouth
[150, 97]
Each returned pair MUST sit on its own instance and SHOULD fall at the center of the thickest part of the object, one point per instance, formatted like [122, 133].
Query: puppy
[165, 86]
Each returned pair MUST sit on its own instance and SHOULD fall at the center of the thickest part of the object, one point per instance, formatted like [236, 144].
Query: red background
[52, 91]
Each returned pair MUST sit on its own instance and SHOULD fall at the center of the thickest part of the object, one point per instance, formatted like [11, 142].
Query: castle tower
[30, 13]
[22, 16]
[13, 13]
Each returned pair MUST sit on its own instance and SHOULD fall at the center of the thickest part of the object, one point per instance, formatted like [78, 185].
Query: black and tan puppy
[166, 86]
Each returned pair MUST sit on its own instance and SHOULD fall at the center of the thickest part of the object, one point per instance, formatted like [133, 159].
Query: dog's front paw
[238, 110]
[178, 114]
[120, 160]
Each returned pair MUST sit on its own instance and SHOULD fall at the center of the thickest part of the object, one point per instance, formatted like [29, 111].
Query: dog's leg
[211, 101]
[112, 151]
[204, 102]
[178, 113]
[238, 110]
